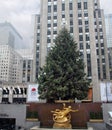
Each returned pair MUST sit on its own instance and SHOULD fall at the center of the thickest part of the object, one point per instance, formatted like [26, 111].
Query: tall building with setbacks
[85, 21]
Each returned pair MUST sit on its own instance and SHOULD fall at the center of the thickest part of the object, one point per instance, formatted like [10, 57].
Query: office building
[85, 21]
[27, 65]
[108, 24]
[10, 65]
[10, 60]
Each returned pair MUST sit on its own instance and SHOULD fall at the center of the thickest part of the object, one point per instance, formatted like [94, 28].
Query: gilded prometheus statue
[62, 118]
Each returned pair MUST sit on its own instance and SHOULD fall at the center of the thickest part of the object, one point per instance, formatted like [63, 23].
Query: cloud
[19, 14]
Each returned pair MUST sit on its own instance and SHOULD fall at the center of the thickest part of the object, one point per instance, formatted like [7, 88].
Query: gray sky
[19, 13]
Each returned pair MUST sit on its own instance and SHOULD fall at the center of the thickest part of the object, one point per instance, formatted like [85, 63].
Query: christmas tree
[63, 75]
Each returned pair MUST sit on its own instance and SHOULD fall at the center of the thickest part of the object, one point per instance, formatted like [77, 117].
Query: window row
[87, 38]
[55, 7]
[85, 5]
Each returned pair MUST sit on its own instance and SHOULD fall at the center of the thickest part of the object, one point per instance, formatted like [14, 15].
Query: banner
[109, 92]
[32, 93]
[103, 92]
[106, 91]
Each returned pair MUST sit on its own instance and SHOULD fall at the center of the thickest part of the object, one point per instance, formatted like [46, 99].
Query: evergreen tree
[63, 75]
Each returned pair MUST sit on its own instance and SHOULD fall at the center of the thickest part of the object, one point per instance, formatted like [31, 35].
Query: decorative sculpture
[62, 118]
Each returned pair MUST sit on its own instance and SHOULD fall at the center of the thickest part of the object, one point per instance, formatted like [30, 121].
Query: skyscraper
[85, 21]
[10, 60]
[108, 23]
[9, 36]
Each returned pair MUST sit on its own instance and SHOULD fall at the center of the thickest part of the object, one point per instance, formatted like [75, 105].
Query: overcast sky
[19, 13]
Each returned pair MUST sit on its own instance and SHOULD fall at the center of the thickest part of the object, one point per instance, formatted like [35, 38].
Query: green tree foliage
[63, 75]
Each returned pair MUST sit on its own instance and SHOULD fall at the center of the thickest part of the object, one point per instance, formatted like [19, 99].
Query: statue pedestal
[62, 126]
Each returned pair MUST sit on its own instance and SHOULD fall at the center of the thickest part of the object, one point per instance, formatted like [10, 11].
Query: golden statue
[62, 118]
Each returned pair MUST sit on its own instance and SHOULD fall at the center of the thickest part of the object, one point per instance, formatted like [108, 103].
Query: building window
[79, 5]
[87, 46]
[86, 29]
[49, 0]
[81, 46]
[87, 38]
[94, 14]
[102, 51]
[89, 64]
[98, 63]
[95, 23]
[49, 9]
[80, 37]
[49, 17]
[97, 45]
[48, 32]
[54, 24]
[97, 51]
[54, 32]
[86, 22]
[85, 14]
[71, 15]
[63, 6]
[95, 4]
[71, 22]
[99, 14]
[80, 30]
[28, 78]
[95, 29]
[37, 48]
[80, 22]
[104, 71]
[103, 60]
[24, 64]
[48, 25]
[48, 40]
[101, 37]
[38, 34]
[55, 8]
[89, 70]
[63, 15]
[100, 22]
[38, 27]
[102, 44]
[38, 19]
[100, 30]
[71, 29]
[70, 6]
[85, 5]
[55, 17]
[38, 41]
[96, 37]
[79, 15]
